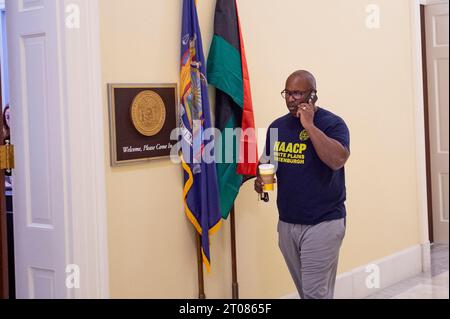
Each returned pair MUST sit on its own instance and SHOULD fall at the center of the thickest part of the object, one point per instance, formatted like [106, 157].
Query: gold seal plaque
[148, 113]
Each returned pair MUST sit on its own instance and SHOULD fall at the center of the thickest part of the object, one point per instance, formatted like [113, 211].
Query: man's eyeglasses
[295, 94]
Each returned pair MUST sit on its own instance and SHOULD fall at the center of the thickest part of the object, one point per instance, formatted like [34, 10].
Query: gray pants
[311, 253]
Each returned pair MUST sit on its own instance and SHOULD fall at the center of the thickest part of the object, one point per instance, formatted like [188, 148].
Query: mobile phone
[312, 97]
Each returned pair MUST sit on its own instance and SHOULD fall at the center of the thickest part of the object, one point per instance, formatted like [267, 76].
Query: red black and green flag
[227, 71]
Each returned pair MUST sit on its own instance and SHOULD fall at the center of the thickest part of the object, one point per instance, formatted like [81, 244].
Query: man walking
[310, 152]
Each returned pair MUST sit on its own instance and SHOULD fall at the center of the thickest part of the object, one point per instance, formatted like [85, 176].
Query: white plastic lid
[267, 168]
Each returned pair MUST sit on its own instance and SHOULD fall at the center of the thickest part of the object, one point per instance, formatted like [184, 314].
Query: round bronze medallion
[148, 113]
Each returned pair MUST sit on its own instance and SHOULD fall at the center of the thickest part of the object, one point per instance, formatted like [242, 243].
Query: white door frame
[84, 147]
[416, 46]
[417, 83]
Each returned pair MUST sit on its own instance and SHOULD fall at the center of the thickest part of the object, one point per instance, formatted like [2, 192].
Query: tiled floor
[433, 285]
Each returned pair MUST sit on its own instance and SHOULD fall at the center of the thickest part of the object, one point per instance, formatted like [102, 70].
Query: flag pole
[201, 285]
[235, 284]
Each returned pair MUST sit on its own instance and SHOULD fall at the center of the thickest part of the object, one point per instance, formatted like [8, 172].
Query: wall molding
[417, 85]
[431, 2]
[85, 149]
[392, 269]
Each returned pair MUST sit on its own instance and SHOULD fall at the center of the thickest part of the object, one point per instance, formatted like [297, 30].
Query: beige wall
[363, 75]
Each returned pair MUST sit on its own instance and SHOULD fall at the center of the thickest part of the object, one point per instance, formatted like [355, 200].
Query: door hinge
[7, 156]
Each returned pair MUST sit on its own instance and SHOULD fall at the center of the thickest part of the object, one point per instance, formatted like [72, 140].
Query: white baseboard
[392, 269]
[426, 257]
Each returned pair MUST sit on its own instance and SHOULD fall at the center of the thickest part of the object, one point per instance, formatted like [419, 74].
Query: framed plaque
[141, 116]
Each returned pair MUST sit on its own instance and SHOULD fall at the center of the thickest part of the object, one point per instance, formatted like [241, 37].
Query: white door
[436, 19]
[39, 200]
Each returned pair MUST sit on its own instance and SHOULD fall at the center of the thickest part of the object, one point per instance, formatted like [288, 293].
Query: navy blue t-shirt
[309, 192]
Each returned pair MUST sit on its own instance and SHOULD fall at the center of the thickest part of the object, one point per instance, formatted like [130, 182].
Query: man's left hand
[306, 113]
